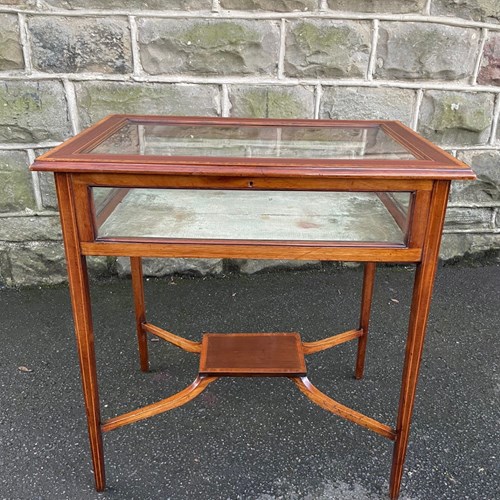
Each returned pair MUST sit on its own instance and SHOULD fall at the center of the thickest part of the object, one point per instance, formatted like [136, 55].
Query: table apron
[250, 182]
[254, 251]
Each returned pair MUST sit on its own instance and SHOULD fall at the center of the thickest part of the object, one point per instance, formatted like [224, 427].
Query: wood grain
[321, 345]
[252, 354]
[82, 317]
[140, 310]
[418, 218]
[421, 300]
[307, 183]
[185, 344]
[327, 403]
[364, 320]
[255, 250]
[179, 399]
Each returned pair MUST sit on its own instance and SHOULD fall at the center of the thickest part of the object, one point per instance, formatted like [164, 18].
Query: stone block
[456, 118]
[37, 263]
[98, 99]
[468, 218]
[32, 112]
[272, 102]
[271, 5]
[5, 273]
[16, 189]
[378, 6]
[477, 10]
[208, 47]
[47, 190]
[19, 4]
[327, 49]
[362, 103]
[11, 54]
[486, 189]
[252, 266]
[165, 267]
[127, 5]
[489, 73]
[79, 44]
[101, 267]
[411, 51]
[33, 228]
[456, 245]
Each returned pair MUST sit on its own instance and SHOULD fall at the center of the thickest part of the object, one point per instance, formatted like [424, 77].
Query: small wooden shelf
[252, 355]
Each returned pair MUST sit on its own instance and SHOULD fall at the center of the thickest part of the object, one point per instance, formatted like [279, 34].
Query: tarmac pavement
[252, 438]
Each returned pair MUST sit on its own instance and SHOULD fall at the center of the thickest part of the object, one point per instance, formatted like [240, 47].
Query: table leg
[140, 310]
[82, 317]
[364, 320]
[421, 300]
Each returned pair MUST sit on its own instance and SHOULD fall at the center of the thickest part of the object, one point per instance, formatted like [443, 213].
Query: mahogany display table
[152, 186]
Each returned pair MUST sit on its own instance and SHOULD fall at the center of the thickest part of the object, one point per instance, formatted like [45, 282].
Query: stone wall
[433, 64]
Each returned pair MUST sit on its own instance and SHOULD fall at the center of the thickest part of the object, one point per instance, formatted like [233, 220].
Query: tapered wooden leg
[364, 320]
[140, 310]
[421, 300]
[82, 316]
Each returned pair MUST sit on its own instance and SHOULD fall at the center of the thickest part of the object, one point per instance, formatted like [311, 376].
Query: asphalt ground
[253, 438]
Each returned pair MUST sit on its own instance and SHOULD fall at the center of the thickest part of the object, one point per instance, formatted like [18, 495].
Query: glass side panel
[251, 215]
[252, 141]
[102, 197]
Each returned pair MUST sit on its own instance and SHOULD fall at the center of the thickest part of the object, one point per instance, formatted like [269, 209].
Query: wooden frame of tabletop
[427, 177]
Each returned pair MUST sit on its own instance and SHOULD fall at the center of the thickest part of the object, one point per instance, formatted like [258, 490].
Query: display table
[152, 186]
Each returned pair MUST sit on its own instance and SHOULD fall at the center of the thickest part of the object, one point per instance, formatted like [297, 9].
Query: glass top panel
[252, 141]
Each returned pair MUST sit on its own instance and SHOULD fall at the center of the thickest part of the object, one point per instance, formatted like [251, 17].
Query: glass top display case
[271, 149]
[193, 187]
